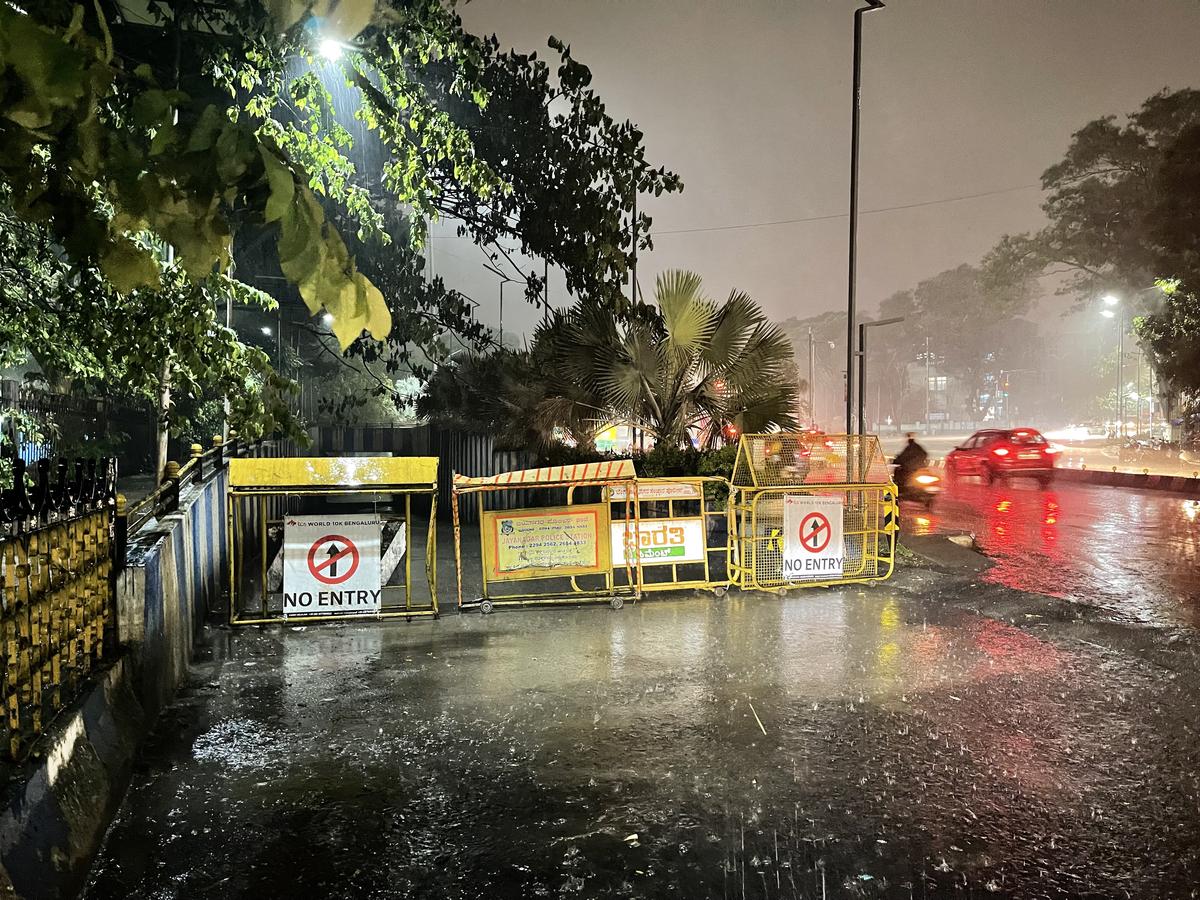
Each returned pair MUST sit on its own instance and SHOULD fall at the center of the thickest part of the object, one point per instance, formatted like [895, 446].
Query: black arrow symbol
[333, 552]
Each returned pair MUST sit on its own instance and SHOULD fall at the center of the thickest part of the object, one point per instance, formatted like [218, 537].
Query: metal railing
[63, 536]
[57, 567]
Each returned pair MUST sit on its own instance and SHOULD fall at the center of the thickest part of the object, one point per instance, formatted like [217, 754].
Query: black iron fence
[39, 424]
[63, 537]
[56, 571]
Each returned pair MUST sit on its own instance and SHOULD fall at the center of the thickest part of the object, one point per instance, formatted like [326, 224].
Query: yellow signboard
[520, 544]
[337, 471]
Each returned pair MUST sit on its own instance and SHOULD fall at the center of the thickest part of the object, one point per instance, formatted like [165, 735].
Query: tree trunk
[162, 421]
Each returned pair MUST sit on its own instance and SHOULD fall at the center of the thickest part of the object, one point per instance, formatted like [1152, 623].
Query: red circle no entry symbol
[815, 532]
[333, 559]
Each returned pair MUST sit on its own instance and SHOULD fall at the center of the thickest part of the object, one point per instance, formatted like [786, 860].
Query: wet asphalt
[1136, 554]
[924, 737]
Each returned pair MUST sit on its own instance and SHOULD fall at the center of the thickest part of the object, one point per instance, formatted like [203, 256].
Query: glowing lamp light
[330, 49]
[1001, 451]
[327, 318]
[1111, 300]
[927, 479]
[266, 329]
[1107, 313]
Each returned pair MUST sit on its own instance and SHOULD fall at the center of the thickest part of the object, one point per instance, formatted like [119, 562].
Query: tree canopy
[1107, 200]
[224, 122]
[685, 367]
[1123, 216]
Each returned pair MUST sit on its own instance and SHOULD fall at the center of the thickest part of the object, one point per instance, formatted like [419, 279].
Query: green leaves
[689, 367]
[340, 19]
[44, 73]
[281, 183]
[128, 265]
[315, 259]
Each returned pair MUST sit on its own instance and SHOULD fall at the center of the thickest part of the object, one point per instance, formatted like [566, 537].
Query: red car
[997, 453]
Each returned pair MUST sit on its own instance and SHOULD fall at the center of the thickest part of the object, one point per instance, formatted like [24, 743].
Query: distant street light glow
[1111, 300]
[1107, 313]
[331, 49]
[327, 318]
[266, 329]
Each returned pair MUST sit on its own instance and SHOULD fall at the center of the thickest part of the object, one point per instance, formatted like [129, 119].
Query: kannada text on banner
[558, 541]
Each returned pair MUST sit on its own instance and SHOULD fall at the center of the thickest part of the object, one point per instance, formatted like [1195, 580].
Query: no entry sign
[333, 558]
[812, 545]
[331, 565]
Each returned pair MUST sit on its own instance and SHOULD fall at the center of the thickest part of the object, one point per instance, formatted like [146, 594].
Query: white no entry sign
[812, 543]
[331, 565]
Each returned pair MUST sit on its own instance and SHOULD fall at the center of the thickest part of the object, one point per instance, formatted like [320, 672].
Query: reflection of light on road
[924, 525]
[886, 657]
[1010, 651]
[1075, 542]
[889, 622]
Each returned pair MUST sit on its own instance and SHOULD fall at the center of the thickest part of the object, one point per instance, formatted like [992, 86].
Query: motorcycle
[920, 486]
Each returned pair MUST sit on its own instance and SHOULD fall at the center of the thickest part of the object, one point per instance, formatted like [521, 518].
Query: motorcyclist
[909, 461]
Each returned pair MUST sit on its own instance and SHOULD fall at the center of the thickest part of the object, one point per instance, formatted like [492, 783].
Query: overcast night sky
[749, 102]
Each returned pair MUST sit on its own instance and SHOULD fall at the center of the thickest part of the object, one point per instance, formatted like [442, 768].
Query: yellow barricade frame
[689, 489]
[603, 476]
[771, 466]
[757, 538]
[262, 483]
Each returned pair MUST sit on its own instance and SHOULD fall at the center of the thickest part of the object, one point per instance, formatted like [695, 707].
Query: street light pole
[851, 314]
[927, 382]
[504, 279]
[862, 367]
[812, 354]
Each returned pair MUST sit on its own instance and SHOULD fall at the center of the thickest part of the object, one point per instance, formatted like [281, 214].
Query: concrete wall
[174, 574]
[53, 814]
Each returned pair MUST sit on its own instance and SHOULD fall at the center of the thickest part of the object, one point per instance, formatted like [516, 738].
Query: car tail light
[1000, 451]
[1051, 450]
[927, 479]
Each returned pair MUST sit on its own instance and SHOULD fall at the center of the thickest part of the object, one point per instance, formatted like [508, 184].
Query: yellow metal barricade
[337, 574]
[811, 510]
[560, 552]
[683, 534]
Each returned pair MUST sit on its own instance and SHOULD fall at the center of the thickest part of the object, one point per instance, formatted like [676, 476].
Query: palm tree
[689, 365]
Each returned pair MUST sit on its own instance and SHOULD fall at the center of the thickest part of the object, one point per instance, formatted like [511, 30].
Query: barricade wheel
[616, 602]
[486, 606]
[720, 591]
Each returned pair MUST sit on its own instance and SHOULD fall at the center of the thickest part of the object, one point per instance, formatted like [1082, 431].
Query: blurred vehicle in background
[1003, 453]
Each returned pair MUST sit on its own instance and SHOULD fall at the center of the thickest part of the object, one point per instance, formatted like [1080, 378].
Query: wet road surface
[1136, 554]
[836, 743]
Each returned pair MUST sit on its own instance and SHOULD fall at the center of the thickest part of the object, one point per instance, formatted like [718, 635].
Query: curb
[1181, 484]
[943, 553]
[55, 813]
